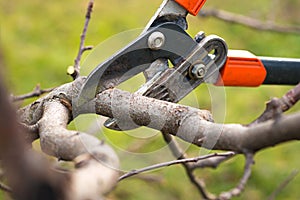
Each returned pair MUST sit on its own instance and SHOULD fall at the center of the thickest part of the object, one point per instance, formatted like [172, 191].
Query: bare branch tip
[89, 9]
[82, 48]
[248, 21]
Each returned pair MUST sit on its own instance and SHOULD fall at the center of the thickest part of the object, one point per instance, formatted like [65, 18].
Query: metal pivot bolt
[199, 36]
[156, 40]
[198, 71]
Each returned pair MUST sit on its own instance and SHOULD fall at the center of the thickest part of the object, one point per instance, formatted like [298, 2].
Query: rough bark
[194, 125]
[96, 164]
[190, 124]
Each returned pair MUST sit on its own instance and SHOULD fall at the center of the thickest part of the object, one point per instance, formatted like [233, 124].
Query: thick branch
[193, 125]
[190, 124]
[96, 162]
[32, 113]
[58, 141]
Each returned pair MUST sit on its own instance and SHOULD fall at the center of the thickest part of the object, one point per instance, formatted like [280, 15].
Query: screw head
[199, 36]
[198, 71]
[156, 40]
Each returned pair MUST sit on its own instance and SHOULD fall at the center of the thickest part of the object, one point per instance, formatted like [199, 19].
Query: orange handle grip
[192, 6]
[242, 68]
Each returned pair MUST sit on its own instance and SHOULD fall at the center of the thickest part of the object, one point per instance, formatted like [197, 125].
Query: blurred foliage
[39, 40]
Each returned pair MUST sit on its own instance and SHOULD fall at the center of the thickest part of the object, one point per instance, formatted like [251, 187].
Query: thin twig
[248, 21]
[284, 184]
[278, 105]
[211, 162]
[178, 153]
[243, 181]
[166, 164]
[74, 71]
[37, 92]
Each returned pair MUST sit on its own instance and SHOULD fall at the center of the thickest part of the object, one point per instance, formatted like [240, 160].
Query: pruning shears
[174, 63]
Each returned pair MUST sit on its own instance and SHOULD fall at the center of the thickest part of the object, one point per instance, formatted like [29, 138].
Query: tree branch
[241, 186]
[95, 162]
[37, 92]
[32, 132]
[213, 162]
[248, 21]
[276, 106]
[193, 125]
[69, 145]
[74, 71]
[180, 155]
[190, 124]
[170, 163]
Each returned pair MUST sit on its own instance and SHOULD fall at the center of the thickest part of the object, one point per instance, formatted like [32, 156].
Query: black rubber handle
[281, 71]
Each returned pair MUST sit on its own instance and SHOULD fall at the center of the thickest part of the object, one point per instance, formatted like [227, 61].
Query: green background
[39, 40]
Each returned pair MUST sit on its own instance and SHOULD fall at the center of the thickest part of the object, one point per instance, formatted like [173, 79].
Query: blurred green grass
[40, 39]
